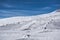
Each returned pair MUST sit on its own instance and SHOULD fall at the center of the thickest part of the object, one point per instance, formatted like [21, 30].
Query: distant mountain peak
[58, 10]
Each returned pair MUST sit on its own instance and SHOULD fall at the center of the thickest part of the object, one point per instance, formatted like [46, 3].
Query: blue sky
[9, 8]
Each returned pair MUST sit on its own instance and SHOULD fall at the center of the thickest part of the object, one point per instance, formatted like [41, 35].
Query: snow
[40, 27]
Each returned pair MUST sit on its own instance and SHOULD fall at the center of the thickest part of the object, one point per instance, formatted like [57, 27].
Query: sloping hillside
[40, 27]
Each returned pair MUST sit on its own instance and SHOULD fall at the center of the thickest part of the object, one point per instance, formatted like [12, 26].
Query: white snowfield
[40, 27]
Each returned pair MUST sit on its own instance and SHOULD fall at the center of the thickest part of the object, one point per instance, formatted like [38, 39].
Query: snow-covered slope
[40, 27]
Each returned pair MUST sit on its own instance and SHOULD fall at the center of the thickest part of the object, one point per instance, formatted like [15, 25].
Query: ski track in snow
[40, 27]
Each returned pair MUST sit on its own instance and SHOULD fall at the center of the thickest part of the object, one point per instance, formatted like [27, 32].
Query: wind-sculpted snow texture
[40, 27]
